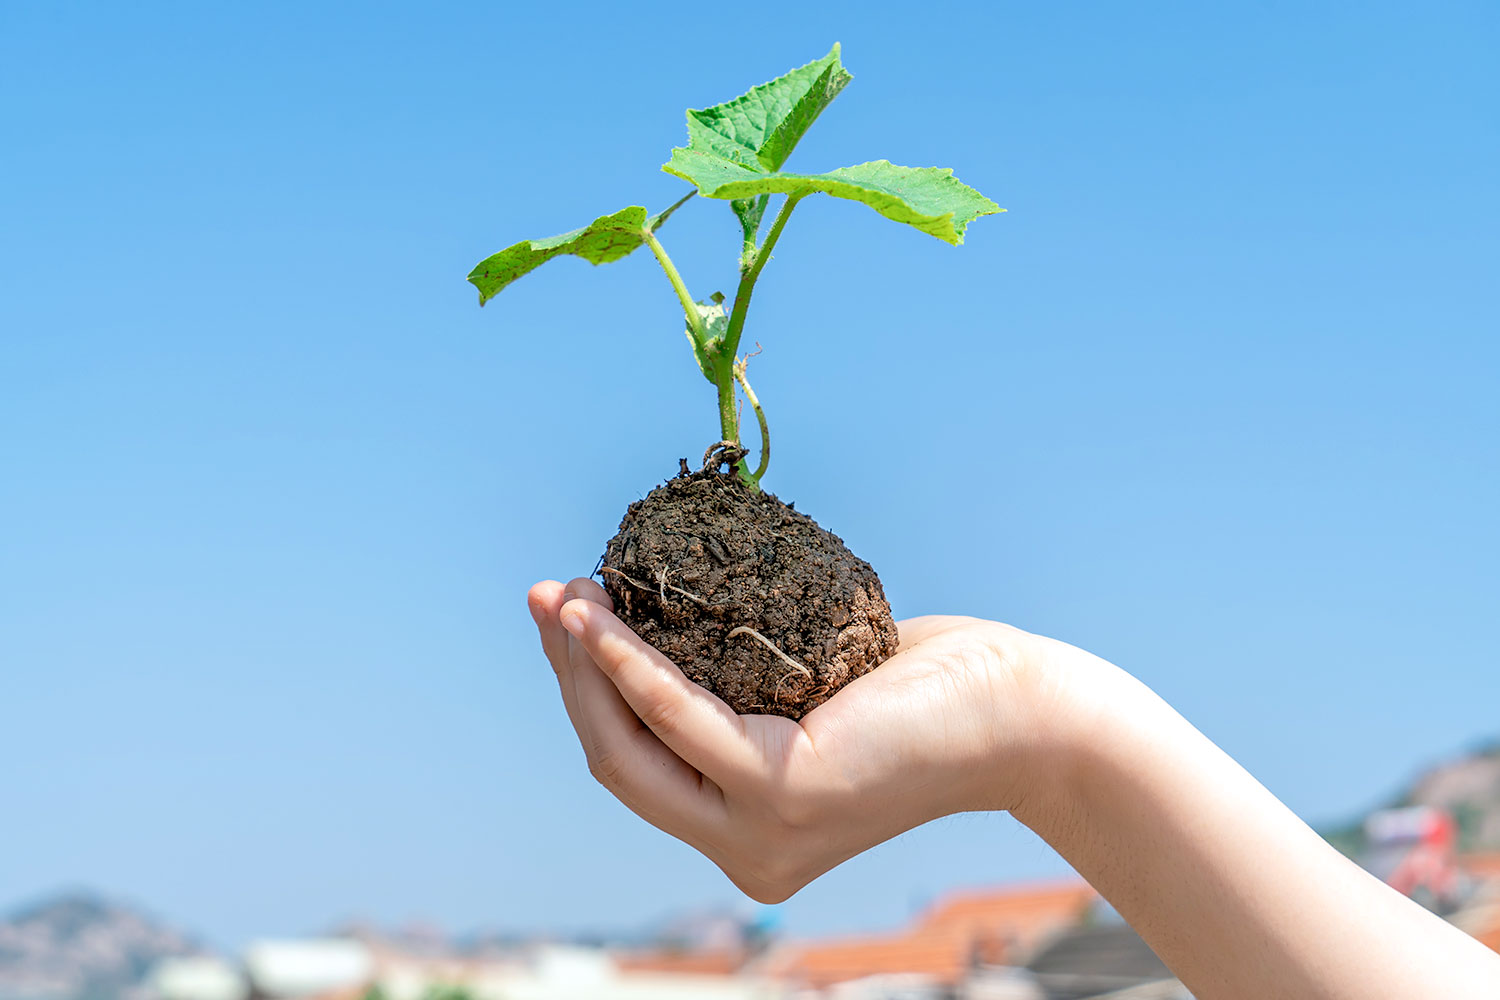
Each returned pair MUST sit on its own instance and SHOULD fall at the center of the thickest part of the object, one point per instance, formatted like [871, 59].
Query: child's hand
[1230, 888]
[941, 727]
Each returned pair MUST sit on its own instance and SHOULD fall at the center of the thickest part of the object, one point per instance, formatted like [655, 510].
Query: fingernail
[573, 623]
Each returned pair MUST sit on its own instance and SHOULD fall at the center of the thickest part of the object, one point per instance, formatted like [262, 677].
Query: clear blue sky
[1216, 399]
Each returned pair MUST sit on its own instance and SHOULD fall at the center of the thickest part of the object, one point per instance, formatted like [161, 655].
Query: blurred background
[1215, 398]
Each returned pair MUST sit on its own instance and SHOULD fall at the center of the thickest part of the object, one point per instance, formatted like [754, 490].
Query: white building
[307, 968]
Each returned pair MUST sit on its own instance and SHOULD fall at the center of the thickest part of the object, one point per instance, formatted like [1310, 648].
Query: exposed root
[776, 695]
[723, 453]
[661, 580]
[662, 585]
[634, 583]
[747, 630]
[691, 597]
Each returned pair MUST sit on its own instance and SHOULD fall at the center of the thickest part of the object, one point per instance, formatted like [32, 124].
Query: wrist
[1069, 707]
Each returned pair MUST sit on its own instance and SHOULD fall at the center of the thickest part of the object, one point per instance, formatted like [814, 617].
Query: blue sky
[1216, 399]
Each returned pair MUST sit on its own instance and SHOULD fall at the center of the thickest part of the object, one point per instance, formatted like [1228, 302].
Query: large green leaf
[606, 239]
[928, 198]
[760, 128]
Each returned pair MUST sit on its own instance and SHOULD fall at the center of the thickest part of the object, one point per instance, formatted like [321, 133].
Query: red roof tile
[1483, 866]
[960, 929]
[701, 963]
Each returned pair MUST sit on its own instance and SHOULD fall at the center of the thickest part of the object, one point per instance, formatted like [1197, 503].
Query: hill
[81, 947]
[1467, 787]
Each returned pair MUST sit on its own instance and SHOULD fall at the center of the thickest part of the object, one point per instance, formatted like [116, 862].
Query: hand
[1190, 849]
[949, 724]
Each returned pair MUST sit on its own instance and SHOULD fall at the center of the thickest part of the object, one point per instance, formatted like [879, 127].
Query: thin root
[776, 695]
[634, 583]
[747, 630]
[661, 579]
[728, 452]
[660, 592]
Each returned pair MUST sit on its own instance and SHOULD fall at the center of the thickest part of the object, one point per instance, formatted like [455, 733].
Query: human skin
[1235, 893]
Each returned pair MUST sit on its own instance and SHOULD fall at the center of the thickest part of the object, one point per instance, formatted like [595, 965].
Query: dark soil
[702, 561]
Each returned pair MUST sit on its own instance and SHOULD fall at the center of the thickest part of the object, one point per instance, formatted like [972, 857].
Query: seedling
[736, 152]
[752, 599]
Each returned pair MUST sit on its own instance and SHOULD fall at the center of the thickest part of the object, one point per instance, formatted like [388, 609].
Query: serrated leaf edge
[791, 187]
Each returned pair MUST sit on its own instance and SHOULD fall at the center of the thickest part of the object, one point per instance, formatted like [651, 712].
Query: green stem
[729, 421]
[747, 282]
[760, 417]
[688, 308]
[726, 370]
[723, 365]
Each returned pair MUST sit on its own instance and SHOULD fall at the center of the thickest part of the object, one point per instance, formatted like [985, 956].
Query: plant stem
[747, 282]
[729, 420]
[722, 354]
[760, 417]
[723, 364]
[688, 308]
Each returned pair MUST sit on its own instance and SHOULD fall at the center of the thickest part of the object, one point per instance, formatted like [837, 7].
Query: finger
[625, 756]
[586, 589]
[637, 767]
[545, 600]
[698, 727]
[914, 630]
[622, 754]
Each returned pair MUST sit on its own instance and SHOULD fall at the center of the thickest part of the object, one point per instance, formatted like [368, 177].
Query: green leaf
[606, 239]
[715, 324]
[930, 199]
[760, 128]
[795, 123]
[736, 150]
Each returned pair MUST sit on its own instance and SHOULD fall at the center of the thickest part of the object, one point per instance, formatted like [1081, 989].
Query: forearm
[1235, 893]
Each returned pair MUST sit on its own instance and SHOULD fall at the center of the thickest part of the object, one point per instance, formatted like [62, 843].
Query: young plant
[750, 598]
[735, 152]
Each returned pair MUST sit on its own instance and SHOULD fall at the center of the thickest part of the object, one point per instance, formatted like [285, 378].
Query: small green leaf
[760, 128]
[606, 239]
[715, 325]
[930, 199]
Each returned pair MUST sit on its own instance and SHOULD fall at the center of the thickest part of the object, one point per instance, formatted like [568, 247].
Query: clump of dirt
[753, 600]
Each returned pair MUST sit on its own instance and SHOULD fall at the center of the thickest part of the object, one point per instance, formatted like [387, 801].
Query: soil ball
[751, 599]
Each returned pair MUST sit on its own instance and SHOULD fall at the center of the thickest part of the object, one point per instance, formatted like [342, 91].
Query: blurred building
[960, 933]
[1413, 850]
[1055, 941]
[1480, 914]
[293, 970]
[1103, 959]
[197, 977]
[548, 972]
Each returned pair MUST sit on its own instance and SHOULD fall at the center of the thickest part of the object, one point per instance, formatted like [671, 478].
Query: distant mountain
[1467, 787]
[81, 947]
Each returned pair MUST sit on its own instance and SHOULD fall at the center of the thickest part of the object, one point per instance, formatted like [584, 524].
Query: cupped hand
[949, 724]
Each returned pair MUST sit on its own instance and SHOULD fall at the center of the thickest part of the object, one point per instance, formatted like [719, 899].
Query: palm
[937, 658]
[774, 802]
